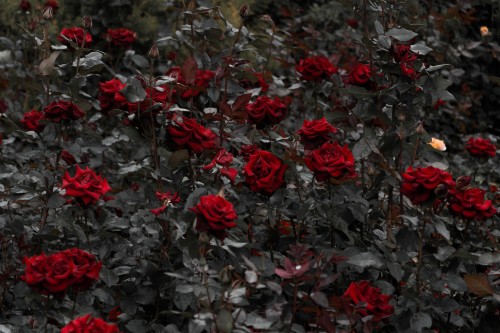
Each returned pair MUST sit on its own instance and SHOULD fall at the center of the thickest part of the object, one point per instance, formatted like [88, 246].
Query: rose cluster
[56, 112]
[86, 187]
[58, 272]
[316, 68]
[214, 215]
[420, 184]
[266, 111]
[89, 324]
[369, 301]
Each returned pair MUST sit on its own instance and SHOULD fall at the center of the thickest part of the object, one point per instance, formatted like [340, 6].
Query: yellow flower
[437, 144]
[484, 31]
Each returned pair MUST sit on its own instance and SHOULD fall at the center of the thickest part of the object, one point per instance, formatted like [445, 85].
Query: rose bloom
[470, 204]
[107, 91]
[369, 301]
[437, 144]
[35, 269]
[186, 133]
[201, 82]
[360, 75]
[31, 120]
[331, 161]
[315, 68]
[314, 133]
[58, 276]
[86, 186]
[247, 150]
[58, 111]
[89, 324]
[264, 172]
[403, 54]
[419, 184]
[266, 111]
[481, 147]
[121, 37]
[214, 215]
[86, 268]
[76, 35]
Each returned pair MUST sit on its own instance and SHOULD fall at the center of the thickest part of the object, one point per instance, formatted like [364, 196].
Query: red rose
[25, 5]
[62, 110]
[360, 75]
[58, 275]
[369, 301]
[186, 133]
[419, 184]
[76, 35]
[402, 53]
[36, 267]
[89, 324]
[201, 82]
[264, 172]
[107, 91]
[438, 104]
[214, 215]
[247, 150]
[408, 70]
[314, 133]
[86, 187]
[31, 120]
[315, 68]
[68, 158]
[114, 313]
[266, 111]
[481, 147]
[470, 204]
[86, 268]
[121, 37]
[331, 161]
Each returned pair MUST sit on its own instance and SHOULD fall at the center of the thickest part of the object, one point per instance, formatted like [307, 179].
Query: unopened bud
[225, 275]
[154, 52]
[244, 10]
[441, 191]
[462, 182]
[25, 6]
[87, 22]
[401, 116]
[420, 128]
[48, 13]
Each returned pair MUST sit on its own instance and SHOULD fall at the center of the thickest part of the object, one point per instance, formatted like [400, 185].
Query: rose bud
[87, 22]
[244, 10]
[48, 13]
[154, 52]
[441, 191]
[462, 182]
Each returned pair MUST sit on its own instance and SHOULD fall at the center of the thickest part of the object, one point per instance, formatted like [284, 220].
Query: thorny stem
[154, 142]
[421, 234]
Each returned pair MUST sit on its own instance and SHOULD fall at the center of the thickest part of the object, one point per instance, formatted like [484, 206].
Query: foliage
[275, 169]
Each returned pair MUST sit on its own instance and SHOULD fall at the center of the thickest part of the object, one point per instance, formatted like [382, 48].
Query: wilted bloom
[167, 199]
[437, 144]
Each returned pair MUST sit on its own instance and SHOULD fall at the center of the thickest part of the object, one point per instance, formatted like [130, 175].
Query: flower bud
[441, 191]
[462, 182]
[48, 13]
[87, 22]
[420, 128]
[154, 52]
[25, 6]
[225, 275]
[244, 10]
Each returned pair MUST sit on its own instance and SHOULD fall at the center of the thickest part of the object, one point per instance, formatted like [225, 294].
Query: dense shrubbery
[331, 167]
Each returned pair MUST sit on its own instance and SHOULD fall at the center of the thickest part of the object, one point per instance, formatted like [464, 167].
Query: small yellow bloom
[437, 144]
[484, 31]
